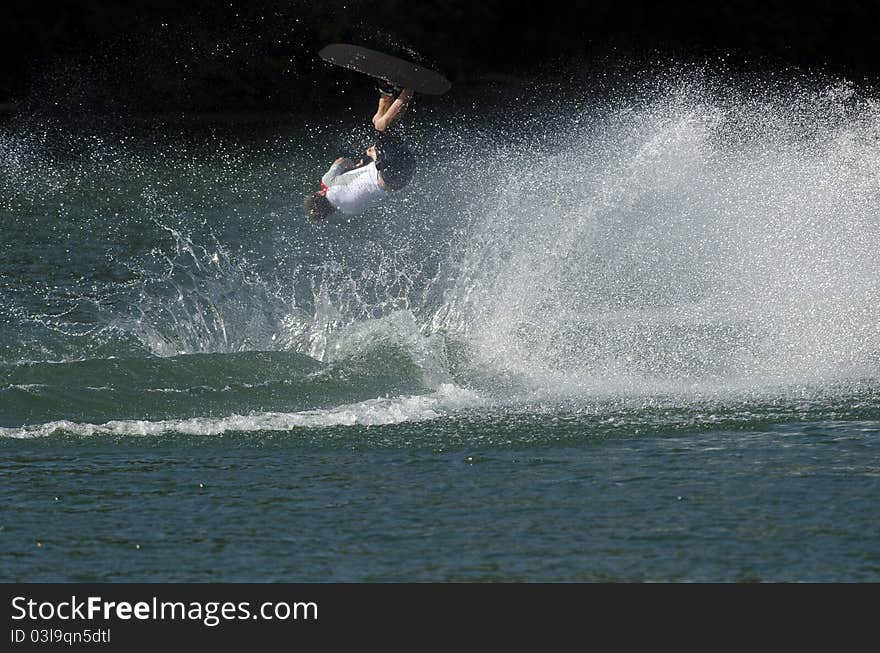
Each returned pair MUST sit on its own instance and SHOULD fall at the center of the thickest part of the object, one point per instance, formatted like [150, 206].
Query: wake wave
[372, 412]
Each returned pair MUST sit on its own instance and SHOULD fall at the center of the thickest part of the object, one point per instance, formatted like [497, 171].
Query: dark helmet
[394, 160]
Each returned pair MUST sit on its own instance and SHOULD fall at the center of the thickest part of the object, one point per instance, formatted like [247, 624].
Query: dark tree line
[208, 55]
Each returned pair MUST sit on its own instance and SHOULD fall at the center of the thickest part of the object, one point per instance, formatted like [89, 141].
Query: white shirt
[356, 190]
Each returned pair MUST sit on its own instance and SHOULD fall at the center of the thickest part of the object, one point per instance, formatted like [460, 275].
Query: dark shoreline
[201, 57]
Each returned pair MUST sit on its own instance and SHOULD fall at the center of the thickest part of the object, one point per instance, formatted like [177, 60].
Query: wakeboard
[386, 67]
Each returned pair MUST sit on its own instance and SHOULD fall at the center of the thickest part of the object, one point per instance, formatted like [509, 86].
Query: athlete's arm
[383, 120]
[348, 164]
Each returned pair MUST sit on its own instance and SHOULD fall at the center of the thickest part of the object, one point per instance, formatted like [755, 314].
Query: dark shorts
[398, 164]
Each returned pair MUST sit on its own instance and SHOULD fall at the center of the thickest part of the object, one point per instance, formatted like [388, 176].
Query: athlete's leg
[385, 100]
[391, 112]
